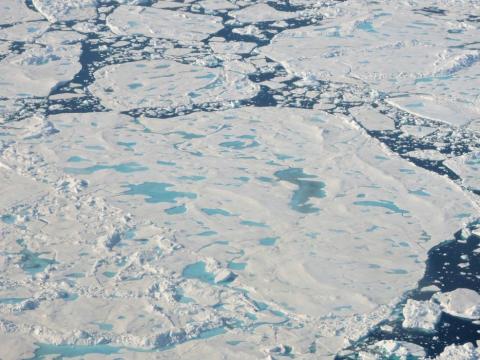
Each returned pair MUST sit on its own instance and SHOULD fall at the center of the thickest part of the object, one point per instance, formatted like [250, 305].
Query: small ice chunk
[64, 10]
[465, 234]
[224, 276]
[430, 288]
[464, 303]
[422, 315]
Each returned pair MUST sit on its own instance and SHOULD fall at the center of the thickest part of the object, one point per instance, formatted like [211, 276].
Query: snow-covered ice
[239, 179]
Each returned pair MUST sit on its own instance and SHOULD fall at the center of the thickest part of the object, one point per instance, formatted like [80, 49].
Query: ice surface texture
[239, 179]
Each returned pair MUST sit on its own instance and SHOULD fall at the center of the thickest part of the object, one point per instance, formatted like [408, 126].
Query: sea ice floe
[64, 10]
[38, 70]
[260, 12]
[216, 5]
[160, 23]
[26, 31]
[168, 84]
[278, 230]
[464, 303]
[232, 47]
[418, 59]
[318, 151]
[13, 11]
[468, 167]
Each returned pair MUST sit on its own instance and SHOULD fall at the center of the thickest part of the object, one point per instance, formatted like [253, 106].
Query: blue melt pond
[187, 135]
[253, 223]
[207, 233]
[306, 189]
[8, 219]
[157, 192]
[76, 159]
[216, 212]
[134, 86]
[12, 300]
[166, 163]
[70, 351]
[197, 271]
[121, 168]
[366, 26]
[382, 203]
[128, 145]
[32, 263]
[238, 145]
[268, 241]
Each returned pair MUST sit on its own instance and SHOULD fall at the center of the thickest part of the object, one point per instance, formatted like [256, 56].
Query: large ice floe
[239, 179]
